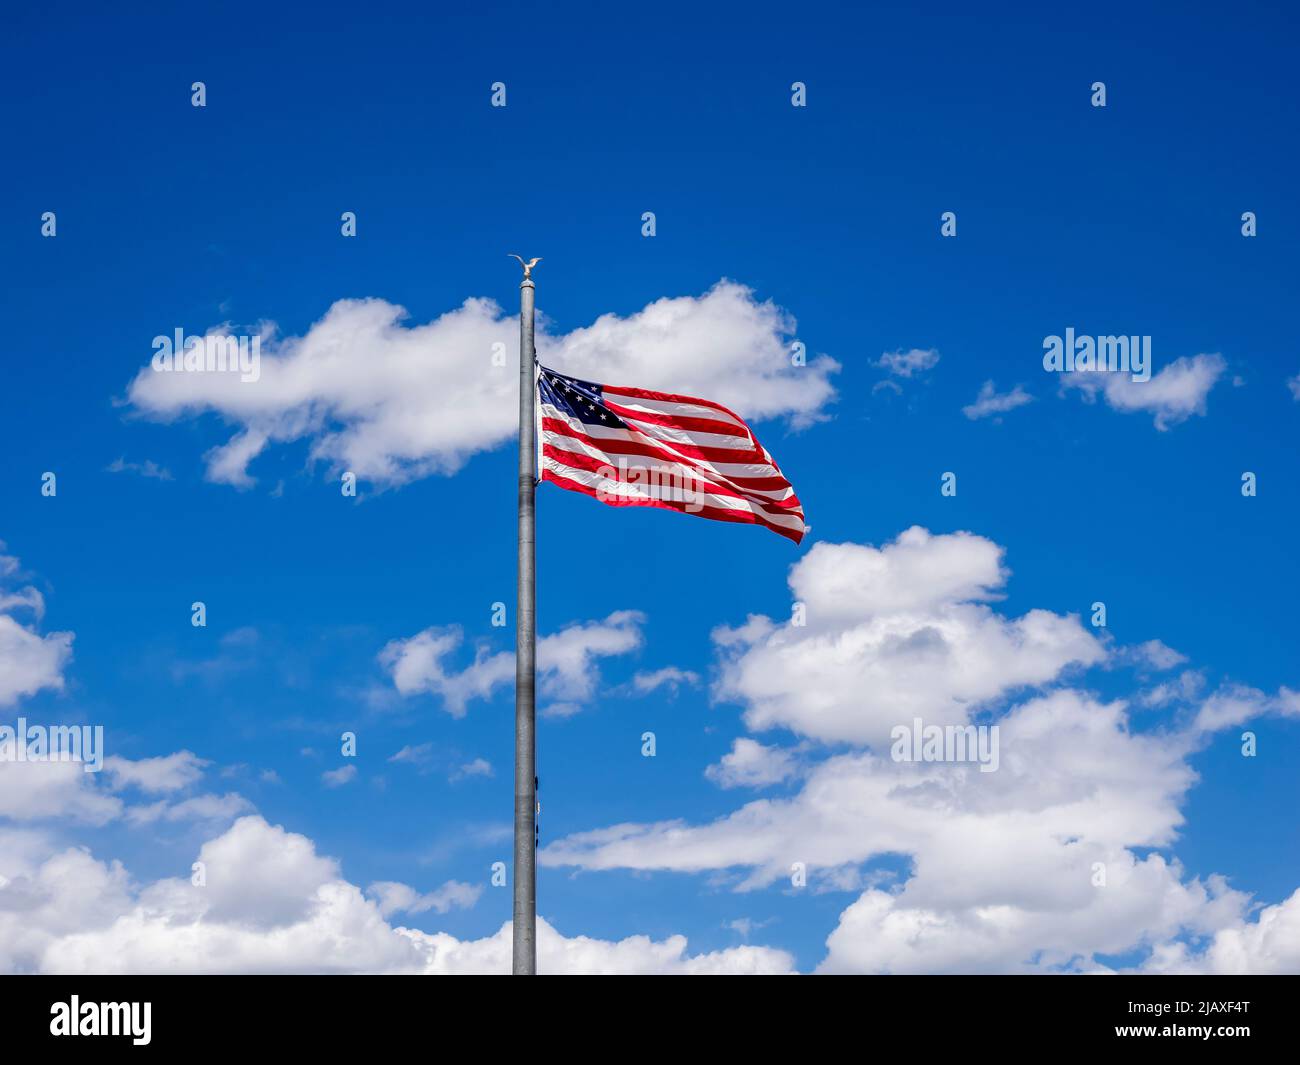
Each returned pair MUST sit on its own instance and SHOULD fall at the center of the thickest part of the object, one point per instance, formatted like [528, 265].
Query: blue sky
[1117, 220]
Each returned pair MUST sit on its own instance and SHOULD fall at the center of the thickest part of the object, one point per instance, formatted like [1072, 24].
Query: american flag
[630, 447]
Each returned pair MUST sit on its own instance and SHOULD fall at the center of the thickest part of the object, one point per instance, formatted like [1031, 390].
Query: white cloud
[1183, 688]
[173, 772]
[1143, 900]
[416, 666]
[723, 345]
[1173, 395]
[392, 897]
[272, 904]
[893, 633]
[31, 791]
[29, 662]
[566, 663]
[1268, 944]
[561, 711]
[393, 402]
[147, 468]
[479, 767]
[198, 808]
[1235, 704]
[908, 363]
[47, 894]
[750, 764]
[1293, 383]
[414, 755]
[261, 874]
[23, 599]
[669, 677]
[566, 659]
[990, 401]
[745, 926]
[336, 778]
[228, 462]
[50, 791]
[1156, 655]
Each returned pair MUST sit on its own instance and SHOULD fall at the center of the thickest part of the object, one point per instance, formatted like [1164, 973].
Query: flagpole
[525, 877]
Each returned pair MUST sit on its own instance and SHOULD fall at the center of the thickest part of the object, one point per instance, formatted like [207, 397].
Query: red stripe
[715, 513]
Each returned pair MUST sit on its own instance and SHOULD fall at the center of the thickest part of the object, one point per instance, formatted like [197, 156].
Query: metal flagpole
[525, 876]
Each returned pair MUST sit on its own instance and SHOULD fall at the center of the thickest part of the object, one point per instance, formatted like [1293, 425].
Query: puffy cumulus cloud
[567, 663]
[392, 402]
[724, 345]
[29, 662]
[1173, 395]
[890, 634]
[1270, 943]
[272, 904]
[917, 572]
[262, 875]
[44, 899]
[1142, 902]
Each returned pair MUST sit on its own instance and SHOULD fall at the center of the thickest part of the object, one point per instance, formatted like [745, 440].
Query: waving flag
[630, 447]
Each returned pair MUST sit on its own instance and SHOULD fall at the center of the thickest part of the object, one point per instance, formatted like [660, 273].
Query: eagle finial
[528, 266]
